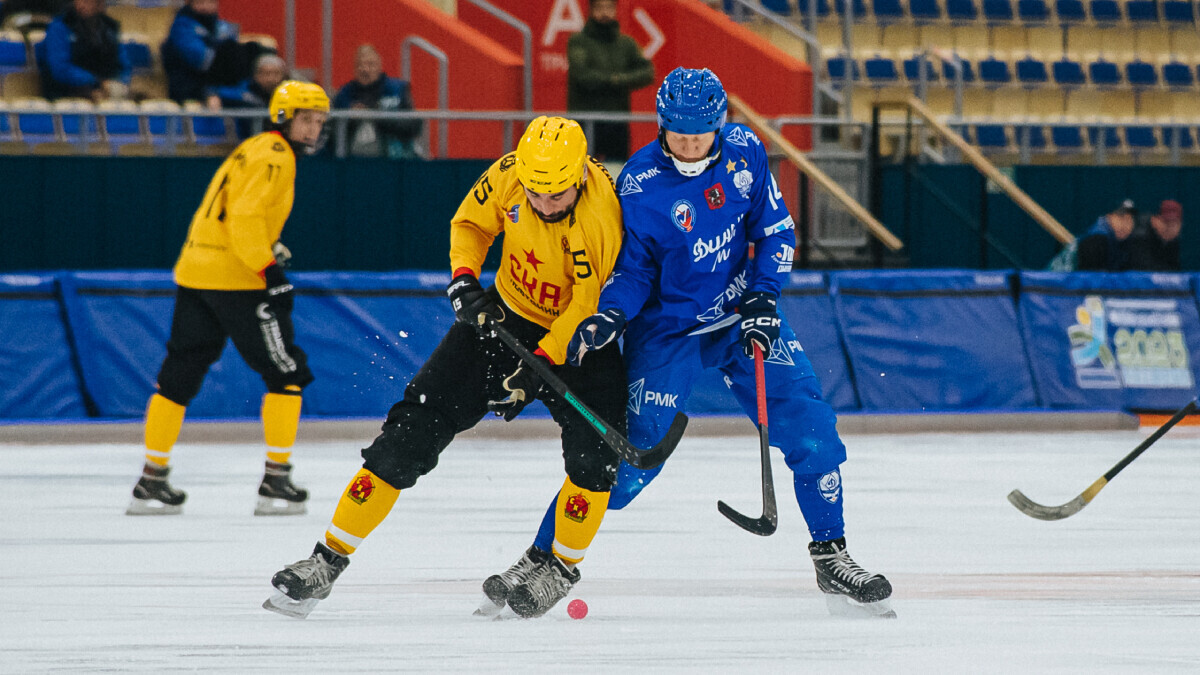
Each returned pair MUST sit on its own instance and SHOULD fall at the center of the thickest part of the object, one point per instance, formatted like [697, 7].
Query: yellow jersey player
[561, 221]
[231, 285]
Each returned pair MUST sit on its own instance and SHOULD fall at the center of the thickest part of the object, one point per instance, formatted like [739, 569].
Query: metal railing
[443, 80]
[526, 43]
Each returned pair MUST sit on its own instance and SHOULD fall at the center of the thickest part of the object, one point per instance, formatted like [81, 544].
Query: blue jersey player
[686, 292]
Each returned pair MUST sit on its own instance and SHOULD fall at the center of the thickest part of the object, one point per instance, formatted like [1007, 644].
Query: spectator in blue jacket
[202, 53]
[1104, 248]
[81, 55]
[269, 72]
[372, 89]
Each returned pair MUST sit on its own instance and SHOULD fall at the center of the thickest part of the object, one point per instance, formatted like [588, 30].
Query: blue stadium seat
[1105, 11]
[881, 70]
[1032, 72]
[78, 120]
[1186, 141]
[948, 72]
[12, 53]
[858, 7]
[1176, 74]
[1068, 73]
[35, 121]
[120, 122]
[1067, 138]
[209, 130]
[887, 11]
[1104, 73]
[998, 11]
[924, 11]
[1070, 11]
[1141, 11]
[912, 70]
[1033, 11]
[1178, 12]
[822, 7]
[991, 136]
[1032, 134]
[1141, 74]
[962, 10]
[994, 71]
[835, 67]
[778, 6]
[1112, 139]
[1140, 137]
[6, 133]
[163, 129]
[138, 54]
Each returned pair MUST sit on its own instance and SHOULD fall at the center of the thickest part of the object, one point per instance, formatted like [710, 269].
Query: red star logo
[532, 259]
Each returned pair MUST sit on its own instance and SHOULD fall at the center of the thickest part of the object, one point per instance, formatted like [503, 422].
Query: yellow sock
[280, 419]
[577, 518]
[164, 419]
[363, 506]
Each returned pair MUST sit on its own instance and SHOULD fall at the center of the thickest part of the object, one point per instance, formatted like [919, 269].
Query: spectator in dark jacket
[372, 89]
[202, 53]
[81, 55]
[1104, 248]
[269, 72]
[1154, 244]
[603, 68]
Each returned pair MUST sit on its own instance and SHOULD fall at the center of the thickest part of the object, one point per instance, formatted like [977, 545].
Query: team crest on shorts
[361, 489]
[683, 214]
[830, 486]
[576, 507]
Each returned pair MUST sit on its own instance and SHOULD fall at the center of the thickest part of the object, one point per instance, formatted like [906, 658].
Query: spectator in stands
[202, 52]
[81, 55]
[603, 68]
[1105, 247]
[372, 89]
[40, 11]
[269, 72]
[1154, 244]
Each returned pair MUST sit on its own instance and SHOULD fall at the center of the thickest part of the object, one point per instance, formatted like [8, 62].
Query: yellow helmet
[293, 95]
[551, 155]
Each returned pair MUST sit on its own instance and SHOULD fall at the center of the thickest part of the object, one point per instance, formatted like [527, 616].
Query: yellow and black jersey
[551, 273]
[242, 215]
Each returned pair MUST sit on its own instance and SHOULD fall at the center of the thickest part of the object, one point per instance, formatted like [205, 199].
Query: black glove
[760, 322]
[470, 301]
[523, 386]
[595, 332]
[280, 292]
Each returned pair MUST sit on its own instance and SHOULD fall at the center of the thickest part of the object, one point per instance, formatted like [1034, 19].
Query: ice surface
[671, 585]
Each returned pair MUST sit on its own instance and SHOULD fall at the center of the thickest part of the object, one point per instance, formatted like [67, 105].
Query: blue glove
[760, 322]
[595, 332]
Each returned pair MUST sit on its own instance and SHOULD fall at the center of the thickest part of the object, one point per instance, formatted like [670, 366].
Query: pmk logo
[576, 508]
[684, 215]
[361, 489]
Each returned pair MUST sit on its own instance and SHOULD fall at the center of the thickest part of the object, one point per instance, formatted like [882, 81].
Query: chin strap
[691, 169]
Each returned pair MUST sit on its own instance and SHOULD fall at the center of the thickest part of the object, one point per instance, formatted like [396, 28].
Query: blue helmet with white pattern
[691, 101]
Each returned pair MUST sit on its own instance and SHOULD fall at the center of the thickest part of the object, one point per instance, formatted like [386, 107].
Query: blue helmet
[691, 101]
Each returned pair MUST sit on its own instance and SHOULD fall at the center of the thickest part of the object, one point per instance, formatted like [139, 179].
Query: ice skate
[302, 584]
[849, 589]
[277, 496]
[497, 587]
[154, 496]
[549, 582]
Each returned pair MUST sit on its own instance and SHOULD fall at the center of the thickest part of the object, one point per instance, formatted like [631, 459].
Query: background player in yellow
[231, 285]
[561, 221]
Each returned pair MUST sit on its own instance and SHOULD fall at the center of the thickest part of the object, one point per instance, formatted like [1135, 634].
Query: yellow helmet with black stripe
[294, 95]
[552, 155]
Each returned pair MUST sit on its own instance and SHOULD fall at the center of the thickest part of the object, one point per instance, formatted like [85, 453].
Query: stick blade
[764, 526]
[1034, 510]
[655, 456]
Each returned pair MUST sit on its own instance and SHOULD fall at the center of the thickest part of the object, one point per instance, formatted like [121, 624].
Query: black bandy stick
[1034, 510]
[766, 524]
[631, 454]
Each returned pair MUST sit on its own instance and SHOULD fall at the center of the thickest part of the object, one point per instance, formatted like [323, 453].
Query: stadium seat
[912, 69]
[1105, 11]
[78, 119]
[923, 11]
[1141, 11]
[1140, 137]
[995, 71]
[162, 129]
[1178, 75]
[1110, 134]
[1033, 11]
[13, 56]
[1067, 138]
[962, 10]
[1031, 72]
[858, 7]
[992, 137]
[34, 120]
[887, 11]
[1068, 73]
[137, 51]
[1186, 139]
[822, 7]
[1070, 11]
[949, 73]
[1138, 73]
[1178, 12]
[119, 120]
[204, 130]
[1104, 73]
[835, 67]
[881, 70]
[998, 11]
[1032, 136]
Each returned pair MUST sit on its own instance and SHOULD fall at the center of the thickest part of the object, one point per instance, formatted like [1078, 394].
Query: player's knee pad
[408, 448]
[630, 482]
[288, 383]
[182, 375]
[595, 471]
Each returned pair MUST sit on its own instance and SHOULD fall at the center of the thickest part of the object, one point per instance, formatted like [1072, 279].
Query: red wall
[484, 75]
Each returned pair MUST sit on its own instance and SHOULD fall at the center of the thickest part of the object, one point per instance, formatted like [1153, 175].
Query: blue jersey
[685, 260]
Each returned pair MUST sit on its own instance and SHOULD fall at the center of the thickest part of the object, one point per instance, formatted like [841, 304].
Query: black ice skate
[498, 586]
[302, 584]
[277, 496]
[849, 589]
[154, 496]
[549, 582]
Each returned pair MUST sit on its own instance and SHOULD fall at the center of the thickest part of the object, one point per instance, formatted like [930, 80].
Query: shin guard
[164, 419]
[362, 507]
[280, 420]
[578, 516]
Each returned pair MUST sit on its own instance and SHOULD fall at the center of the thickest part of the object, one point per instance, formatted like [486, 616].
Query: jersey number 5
[584, 268]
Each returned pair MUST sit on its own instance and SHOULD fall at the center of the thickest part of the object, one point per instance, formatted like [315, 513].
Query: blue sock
[630, 482]
[545, 534]
[820, 500]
